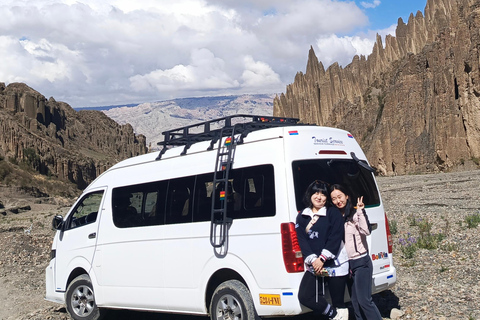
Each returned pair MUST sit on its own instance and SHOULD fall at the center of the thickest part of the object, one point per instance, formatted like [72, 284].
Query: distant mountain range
[152, 118]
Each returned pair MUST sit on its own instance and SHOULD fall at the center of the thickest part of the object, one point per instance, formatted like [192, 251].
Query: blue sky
[112, 52]
[389, 11]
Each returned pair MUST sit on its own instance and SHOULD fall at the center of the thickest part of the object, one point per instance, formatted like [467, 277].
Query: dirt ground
[435, 284]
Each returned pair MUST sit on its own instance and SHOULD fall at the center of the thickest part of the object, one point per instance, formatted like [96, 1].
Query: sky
[112, 52]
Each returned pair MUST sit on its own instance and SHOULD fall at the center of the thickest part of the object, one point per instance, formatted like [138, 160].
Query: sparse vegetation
[427, 239]
[5, 170]
[408, 246]
[31, 159]
[443, 269]
[392, 224]
[473, 220]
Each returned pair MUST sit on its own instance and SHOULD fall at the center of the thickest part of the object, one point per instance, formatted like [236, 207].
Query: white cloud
[258, 74]
[335, 49]
[332, 48]
[205, 72]
[370, 5]
[92, 52]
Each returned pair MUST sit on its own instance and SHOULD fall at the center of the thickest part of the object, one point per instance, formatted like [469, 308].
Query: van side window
[202, 202]
[86, 211]
[139, 205]
[251, 194]
[179, 200]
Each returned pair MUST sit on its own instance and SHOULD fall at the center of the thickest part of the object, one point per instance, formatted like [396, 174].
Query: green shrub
[392, 224]
[443, 269]
[5, 170]
[472, 220]
[412, 221]
[408, 246]
[427, 239]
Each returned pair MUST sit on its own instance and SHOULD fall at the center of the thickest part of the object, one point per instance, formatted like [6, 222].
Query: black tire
[80, 300]
[232, 301]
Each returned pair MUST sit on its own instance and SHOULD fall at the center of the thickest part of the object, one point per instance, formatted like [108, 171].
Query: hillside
[413, 104]
[46, 147]
[152, 118]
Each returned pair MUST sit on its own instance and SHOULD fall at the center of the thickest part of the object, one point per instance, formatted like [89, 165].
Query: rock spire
[413, 103]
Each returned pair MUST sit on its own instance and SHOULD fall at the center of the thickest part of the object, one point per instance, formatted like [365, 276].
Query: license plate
[270, 299]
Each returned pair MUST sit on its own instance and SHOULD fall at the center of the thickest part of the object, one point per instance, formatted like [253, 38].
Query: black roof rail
[212, 130]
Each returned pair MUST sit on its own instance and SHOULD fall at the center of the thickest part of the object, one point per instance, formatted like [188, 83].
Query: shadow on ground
[385, 302]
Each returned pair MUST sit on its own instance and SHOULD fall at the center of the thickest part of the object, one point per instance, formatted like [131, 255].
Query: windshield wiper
[361, 163]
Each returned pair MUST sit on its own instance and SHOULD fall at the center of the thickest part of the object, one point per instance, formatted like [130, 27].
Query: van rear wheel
[232, 301]
[80, 300]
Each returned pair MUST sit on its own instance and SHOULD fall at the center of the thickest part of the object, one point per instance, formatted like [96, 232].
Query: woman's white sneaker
[342, 314]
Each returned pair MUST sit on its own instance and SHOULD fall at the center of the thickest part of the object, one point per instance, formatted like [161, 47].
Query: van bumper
[384, 281]
[51, 294]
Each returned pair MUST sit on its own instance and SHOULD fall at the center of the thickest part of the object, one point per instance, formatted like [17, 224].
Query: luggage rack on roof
[185, 136]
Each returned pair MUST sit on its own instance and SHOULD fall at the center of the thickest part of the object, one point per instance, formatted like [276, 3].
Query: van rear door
[319, 153]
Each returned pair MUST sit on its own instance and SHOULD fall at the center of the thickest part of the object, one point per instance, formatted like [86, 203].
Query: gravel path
[440, 283]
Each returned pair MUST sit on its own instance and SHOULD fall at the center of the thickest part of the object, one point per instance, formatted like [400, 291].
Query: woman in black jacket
[320, 233]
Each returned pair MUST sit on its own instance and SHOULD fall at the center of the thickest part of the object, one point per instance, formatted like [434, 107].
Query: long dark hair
[349, 209]
[314, 187]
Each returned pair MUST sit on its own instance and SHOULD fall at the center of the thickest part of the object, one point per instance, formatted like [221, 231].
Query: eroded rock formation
[413, 104]
[57, 141]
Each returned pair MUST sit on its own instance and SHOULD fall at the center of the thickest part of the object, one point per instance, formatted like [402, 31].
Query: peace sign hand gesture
[360, 204]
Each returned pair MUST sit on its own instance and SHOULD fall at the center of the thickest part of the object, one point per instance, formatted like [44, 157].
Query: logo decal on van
[381, 255]
[327, 141]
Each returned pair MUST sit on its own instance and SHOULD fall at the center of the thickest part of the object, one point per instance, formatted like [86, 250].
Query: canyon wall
[413, 103]
[57, 141]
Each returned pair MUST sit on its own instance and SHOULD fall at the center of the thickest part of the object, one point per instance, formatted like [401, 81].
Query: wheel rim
[229, 308]
[82, 301]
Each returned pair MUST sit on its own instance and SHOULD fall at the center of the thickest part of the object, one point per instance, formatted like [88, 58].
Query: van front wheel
[232, 301]
[80, 300]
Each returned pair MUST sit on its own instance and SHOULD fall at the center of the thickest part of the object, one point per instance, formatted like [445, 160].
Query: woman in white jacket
[356, 231]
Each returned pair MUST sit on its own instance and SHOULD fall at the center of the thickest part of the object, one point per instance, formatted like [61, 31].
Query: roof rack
[215, 129]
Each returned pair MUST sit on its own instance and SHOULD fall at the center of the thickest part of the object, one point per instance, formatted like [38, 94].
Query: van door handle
[92, 235]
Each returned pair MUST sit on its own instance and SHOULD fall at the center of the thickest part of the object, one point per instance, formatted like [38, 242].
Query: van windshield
[358, 180]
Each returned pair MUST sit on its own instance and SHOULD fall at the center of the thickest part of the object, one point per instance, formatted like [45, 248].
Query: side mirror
[57, 222]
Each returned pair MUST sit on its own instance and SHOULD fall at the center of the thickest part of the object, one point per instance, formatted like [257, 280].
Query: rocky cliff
[53, 140]
[413, 103]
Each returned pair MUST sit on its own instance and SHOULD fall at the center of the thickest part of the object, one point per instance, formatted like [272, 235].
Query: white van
[207, 227]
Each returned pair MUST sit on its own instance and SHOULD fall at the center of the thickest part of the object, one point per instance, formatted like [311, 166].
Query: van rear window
[358, 180]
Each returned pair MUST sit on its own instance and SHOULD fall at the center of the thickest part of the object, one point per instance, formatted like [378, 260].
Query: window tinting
[139, 205]
[86, 211]
[250, 194]
[179, 200]
[355, 178]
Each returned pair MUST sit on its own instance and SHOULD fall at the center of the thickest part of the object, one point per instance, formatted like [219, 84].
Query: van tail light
[389, 235]
[292, 255]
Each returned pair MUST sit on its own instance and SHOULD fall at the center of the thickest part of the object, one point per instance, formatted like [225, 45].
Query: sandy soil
[436, 284]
